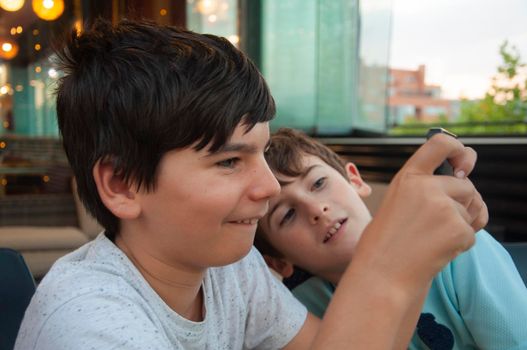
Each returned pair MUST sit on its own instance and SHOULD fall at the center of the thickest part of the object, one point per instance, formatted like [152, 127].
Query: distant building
[410, 98]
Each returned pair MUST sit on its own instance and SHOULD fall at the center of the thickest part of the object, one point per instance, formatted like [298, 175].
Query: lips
[334, 229]
[248, 220]
[253, 221]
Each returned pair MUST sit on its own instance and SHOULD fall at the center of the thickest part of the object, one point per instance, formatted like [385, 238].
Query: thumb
[433, 152]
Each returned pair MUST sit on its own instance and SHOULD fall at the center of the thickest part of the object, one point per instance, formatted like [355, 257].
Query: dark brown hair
[133, 92]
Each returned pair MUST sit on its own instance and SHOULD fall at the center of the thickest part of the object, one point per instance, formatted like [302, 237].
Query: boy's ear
[115, 193]
[281, 266]
[363, 189]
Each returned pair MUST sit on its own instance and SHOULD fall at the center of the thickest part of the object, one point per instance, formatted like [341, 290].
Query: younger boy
[165, 131]
[315, 223]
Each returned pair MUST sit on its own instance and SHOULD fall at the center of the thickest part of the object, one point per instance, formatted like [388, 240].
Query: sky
[457, 40]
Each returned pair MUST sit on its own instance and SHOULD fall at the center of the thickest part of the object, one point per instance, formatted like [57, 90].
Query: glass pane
[374, 48]
[310, 58]
[337, 70]
[289, 60]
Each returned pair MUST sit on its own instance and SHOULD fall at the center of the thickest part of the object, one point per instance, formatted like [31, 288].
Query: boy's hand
[425, 220]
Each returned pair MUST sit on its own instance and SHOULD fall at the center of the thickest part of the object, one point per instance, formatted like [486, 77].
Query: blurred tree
[502, 111]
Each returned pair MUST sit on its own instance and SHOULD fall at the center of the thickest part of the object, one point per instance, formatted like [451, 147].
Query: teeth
[248, 221]
[332, 231]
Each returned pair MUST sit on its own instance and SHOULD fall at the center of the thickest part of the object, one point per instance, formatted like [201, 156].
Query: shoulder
[487, 266]
[485, 251]
[82, 290]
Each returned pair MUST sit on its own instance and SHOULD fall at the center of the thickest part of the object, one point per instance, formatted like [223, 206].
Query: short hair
[132, 92]
[287, 149]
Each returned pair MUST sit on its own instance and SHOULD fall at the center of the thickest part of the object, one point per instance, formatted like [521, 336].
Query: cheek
[193, 204]
[298, 243]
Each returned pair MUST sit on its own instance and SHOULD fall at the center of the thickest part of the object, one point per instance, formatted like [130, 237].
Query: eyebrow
[238, 147]
[302, 176]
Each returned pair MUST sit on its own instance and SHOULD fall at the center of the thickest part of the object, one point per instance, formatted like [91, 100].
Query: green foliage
[503, 109]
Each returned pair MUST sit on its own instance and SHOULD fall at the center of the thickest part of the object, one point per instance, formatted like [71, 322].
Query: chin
[230, 255]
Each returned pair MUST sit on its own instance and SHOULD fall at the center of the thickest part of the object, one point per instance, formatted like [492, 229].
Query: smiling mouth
[246, 222]
[334, 229]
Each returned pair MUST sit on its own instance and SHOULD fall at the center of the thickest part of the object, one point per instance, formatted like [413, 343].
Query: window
[471, 73]
[344, 66]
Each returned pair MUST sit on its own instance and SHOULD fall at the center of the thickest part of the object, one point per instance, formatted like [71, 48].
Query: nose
[316, 212]
[265, 184]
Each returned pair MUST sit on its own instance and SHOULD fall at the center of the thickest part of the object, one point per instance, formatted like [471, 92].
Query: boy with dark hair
[477, 301]
[165, 131]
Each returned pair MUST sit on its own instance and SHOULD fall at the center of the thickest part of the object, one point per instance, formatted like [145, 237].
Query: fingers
[464, 162]
[463, 191]
[460, 190]
[438, 148]
[478, 212]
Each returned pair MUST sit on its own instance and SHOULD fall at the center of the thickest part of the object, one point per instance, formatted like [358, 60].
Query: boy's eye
[287, 217]
[319, 183]
[228, 163]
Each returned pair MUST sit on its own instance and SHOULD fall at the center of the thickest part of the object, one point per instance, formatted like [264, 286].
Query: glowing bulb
[45, 178]
[38, 69]
[19, 29]
[207, 7]
[8, 50]
[37, 47]
[11, 5]
[6, 47]
[2, 143]
[48, 10]
[13, 31]
[52, 72]
[163, 12]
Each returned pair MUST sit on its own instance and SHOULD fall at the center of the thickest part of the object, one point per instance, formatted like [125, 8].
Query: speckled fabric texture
[94, 298]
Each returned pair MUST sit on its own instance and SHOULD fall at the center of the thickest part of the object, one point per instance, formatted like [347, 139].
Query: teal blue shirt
[478, 301]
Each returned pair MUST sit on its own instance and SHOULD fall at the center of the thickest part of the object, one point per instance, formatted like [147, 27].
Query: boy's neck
[180, 289]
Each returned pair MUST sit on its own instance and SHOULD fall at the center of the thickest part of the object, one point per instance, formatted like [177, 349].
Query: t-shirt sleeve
[99, 322]
[491, 295]
[274, 315]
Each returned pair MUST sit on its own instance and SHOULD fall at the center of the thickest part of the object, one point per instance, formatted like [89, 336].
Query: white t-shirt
[95, 298]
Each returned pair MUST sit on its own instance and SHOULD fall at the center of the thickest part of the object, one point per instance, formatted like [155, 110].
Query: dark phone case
[445, 168]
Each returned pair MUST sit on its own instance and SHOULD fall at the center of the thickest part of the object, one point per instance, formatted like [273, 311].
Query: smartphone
[445, 168]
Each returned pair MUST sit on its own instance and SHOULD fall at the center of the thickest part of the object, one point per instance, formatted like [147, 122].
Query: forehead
[243, 138]
[307, 162]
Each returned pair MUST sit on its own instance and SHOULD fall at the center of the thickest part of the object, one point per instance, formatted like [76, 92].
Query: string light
[11, 5]
[8, 50]
[48, 10]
